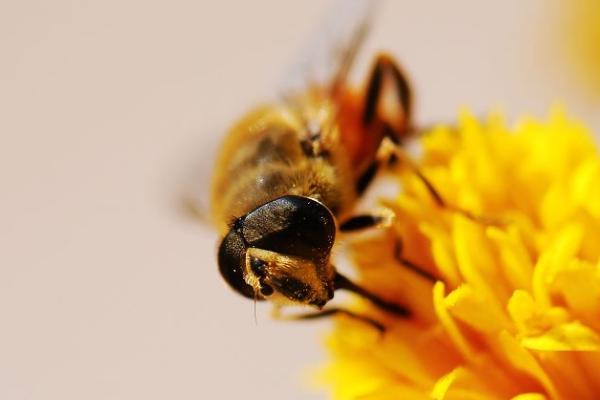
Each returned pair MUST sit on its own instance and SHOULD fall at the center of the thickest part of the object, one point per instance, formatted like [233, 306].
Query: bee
[289, 174]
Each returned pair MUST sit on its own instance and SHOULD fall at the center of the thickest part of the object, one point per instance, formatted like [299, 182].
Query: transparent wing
[330, 52]
[324, 60]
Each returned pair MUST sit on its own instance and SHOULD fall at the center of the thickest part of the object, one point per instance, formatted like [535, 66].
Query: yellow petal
[442, 252]
[443, 384]
[448, 323]
[522, 360]
[563, 249]
[584, 190]
[517, 311]
[579, 284]
[530, 396]
[518, 267]
[530, 318]
[571, 336]
[570, 382]
[471, 307]
[475, 261]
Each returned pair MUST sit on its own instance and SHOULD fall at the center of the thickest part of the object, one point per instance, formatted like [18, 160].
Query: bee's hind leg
[396, 127]
[329, 312]
[374, 116]
[385, 67]
[341, 282]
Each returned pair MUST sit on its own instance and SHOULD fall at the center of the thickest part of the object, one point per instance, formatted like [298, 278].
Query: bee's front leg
[384, 220]
[343, 283]
[366, 221]
[360, 222]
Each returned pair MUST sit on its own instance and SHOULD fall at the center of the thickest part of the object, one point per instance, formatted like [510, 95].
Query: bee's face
[284, 278]
[281, 250]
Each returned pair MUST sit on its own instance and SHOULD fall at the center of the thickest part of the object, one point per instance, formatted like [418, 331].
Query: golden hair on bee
[289, 174]
[272, 152]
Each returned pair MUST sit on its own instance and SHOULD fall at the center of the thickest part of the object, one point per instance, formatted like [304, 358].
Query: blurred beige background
[109, 108]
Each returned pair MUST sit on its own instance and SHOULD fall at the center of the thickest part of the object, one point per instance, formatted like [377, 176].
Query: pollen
[514, 309]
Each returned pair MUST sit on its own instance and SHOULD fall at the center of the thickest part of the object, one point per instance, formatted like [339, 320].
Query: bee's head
[281, 249]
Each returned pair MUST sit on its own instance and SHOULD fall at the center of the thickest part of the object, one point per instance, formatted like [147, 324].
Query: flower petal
[530, 396]
[443, 384]
[522, 360]
[448, 323]
[471, 307]
[572, 336]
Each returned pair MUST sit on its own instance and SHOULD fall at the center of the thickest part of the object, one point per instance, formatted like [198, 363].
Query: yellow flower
[515, 313]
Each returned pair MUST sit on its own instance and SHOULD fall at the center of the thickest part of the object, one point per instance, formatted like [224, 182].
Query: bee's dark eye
[293, 225]
[232, 253]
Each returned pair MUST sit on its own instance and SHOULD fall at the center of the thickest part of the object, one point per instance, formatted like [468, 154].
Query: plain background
[108, 109]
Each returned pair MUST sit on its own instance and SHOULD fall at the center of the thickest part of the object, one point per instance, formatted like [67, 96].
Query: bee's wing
[324, 61]
[331, 50]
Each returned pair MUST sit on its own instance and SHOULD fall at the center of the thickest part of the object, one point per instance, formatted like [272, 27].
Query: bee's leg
[383, 219]
[367, 177]
[400, 156]
[375, 120]
[398, 250]
[385, 67]
[435, 195]
[341, 282]
[360, 222]
[366, 221]
[395, 155]
[331, 312]
[395, 129]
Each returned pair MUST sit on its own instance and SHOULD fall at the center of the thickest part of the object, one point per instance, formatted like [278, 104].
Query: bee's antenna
[254, 307]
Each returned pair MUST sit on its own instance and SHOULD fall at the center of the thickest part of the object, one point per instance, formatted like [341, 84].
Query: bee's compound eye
[292, 225]
[232, 253]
